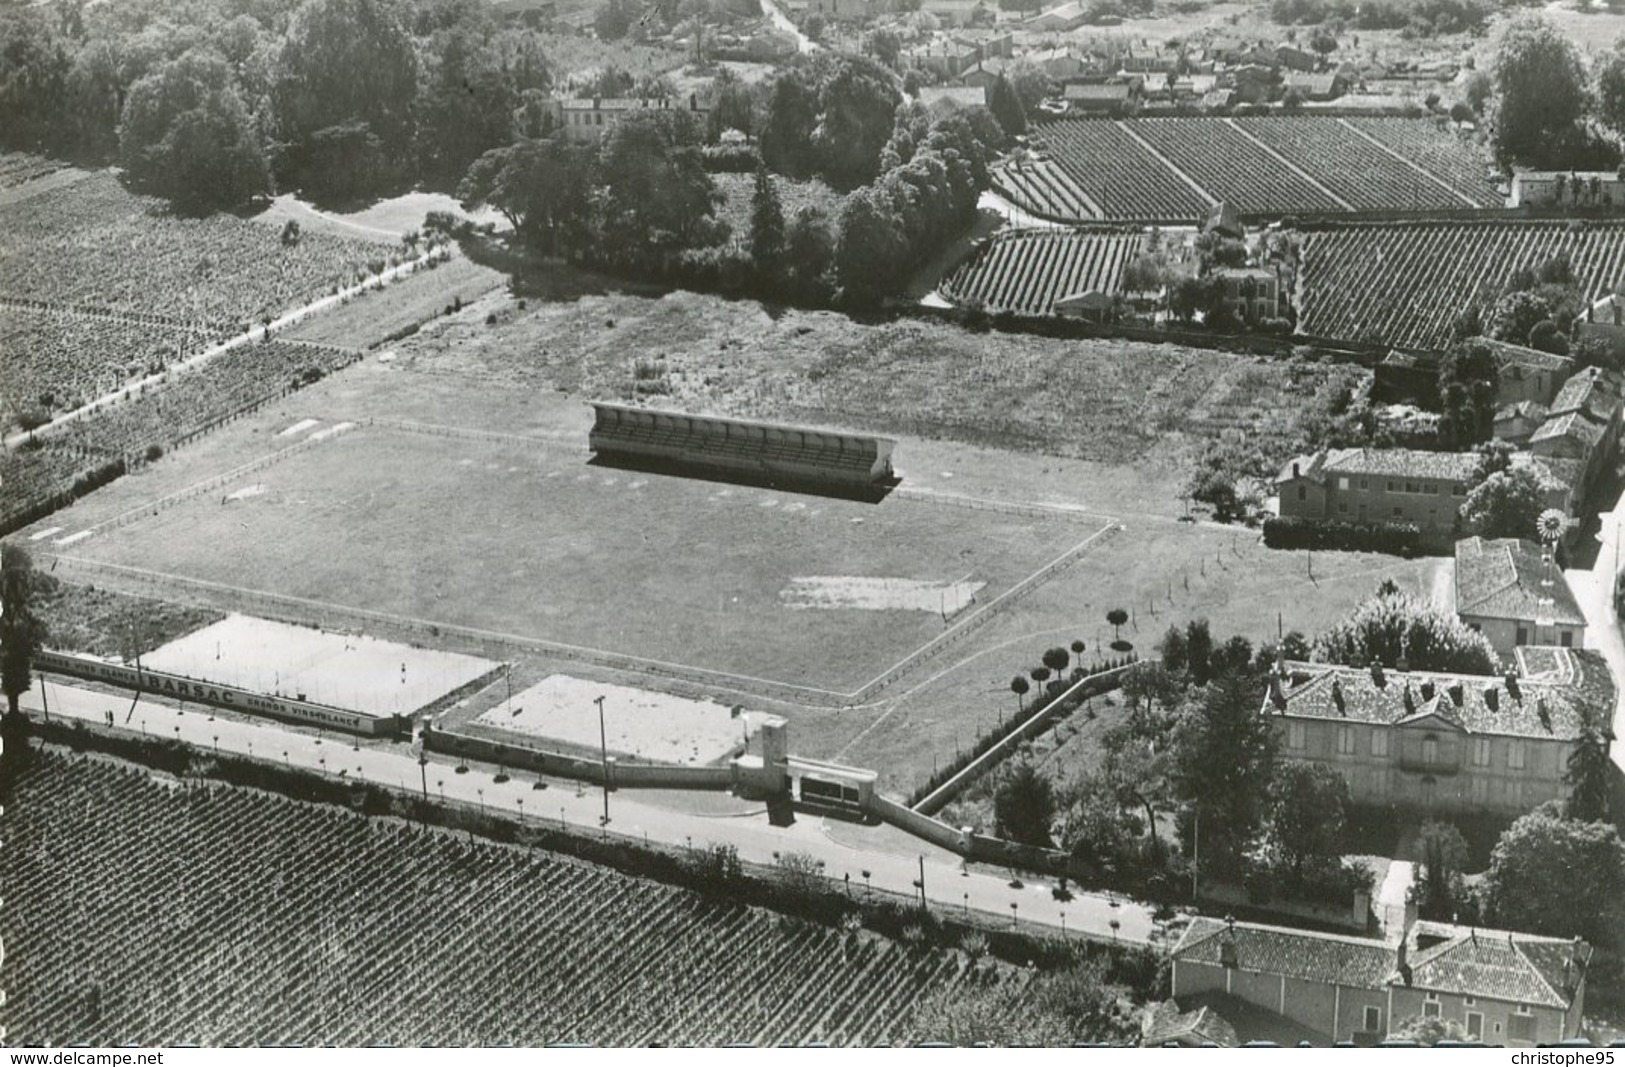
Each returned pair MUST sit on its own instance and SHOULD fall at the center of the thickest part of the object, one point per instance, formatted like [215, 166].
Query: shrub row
[998, 733]
[730, 158]
[1395, 539]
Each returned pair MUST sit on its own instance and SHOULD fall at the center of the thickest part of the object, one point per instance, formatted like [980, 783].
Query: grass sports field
[506, 536]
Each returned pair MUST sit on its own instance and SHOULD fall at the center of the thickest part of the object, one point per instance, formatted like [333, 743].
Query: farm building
[1058, 63]
[1068, 16]
[1436, 742]
[1604, 321]
[1500, 988]
[586, 119]
[1294, 58]
[1251, 294]
[1378, 485]
[984, 75]
[1526, 373]
[953, 97]
[1514, 594]
[1582, 424]
[958, 12]
[779, 454]
[1538, 188]
[1514, 423]
[942, 57]
[1317, 88]
[1116, 98]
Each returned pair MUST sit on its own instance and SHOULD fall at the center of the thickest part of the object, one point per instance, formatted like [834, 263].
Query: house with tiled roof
[1603, 321]
[1515, 594]
[1499, 987]
[1378, 485]
[1525, 373]
[1515, 423]
[1583, 424]
[586, 119]
[1438, 743]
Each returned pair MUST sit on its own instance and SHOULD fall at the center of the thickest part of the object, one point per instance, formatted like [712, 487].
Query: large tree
[1223, 762]
[1468, 376]
[1393, 625]
[1540, 90]
[543, 188]
[871, 248]
[1441, 890]
[1608, 71]
[472, 82]
[656, 194]
[1587, 777]
[856, 102]
[185, 135]
[1024, 806]
[1506, 504]
[766, 224]
[345, 93]
[1557, 876]
[1308, 808]
[34, 66]
[21, 632]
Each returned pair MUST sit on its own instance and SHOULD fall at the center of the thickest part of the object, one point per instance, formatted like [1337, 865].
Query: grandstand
[785, 457]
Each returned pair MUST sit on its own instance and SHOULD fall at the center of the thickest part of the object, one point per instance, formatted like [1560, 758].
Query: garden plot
[352, 671]
[657, 727]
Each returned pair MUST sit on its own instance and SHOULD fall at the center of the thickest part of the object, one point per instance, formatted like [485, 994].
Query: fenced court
[352, 671]
[655, 727]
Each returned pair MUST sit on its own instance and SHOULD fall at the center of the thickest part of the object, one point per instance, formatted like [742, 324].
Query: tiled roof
[1570, 426]
[1496, 964]
[1557, 468]
[1116, 91]
[1593, 391]
[1402, 462]
[1507, 354]
[1493, 964]
[1528, 409]
[1529, 707]
[1510, 579]
[1350, 961]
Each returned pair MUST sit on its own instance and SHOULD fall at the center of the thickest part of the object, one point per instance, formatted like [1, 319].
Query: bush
[1395, 539]
[155, 452]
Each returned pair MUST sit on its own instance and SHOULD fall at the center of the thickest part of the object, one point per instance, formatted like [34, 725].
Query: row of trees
[1547, 103]
[218, 104]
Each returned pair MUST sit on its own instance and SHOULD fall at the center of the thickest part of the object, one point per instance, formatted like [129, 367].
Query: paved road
[783, 22]
[892, 859]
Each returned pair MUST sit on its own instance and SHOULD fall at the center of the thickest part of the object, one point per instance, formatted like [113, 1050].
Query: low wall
[543, 761]
[215, 694]
[913, 822]
[1355, 917]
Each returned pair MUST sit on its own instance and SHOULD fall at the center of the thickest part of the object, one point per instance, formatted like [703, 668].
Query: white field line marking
[47, 532]
[71, 538]
[299, 427]
[322, 435]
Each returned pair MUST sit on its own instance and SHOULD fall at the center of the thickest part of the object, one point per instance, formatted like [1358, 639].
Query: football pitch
[502, 535]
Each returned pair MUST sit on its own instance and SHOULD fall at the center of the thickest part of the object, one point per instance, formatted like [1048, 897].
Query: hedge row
[1053, 690]
[1395, 539]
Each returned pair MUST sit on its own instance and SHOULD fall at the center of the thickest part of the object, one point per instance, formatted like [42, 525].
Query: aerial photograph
[838, 523]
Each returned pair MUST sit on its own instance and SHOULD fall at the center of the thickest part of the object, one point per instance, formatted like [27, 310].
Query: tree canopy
[1507, 503]
[1559, 877]
[1223, 762]
[1394, 625]
[185, 135]
[1540, 90]
[21, 631]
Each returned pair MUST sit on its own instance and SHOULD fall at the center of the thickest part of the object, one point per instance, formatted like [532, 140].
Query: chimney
[1402, 962]
[1227, 943]
[1492, 698]
[1337, 696]
[1457, 694]
[1297, 471]
[1277, 696]
[1544, 713]
[1378, 679]
[1512, 686]
[1410, 702]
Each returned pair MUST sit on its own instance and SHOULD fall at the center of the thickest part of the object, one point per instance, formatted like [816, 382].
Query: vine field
[145, 910]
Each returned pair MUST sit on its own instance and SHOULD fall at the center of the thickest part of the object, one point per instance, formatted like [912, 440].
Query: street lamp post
[603, 751]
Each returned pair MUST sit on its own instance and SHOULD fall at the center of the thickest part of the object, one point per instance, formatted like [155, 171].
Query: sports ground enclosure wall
[735, 446]
[215, 694]
[1172, 169]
